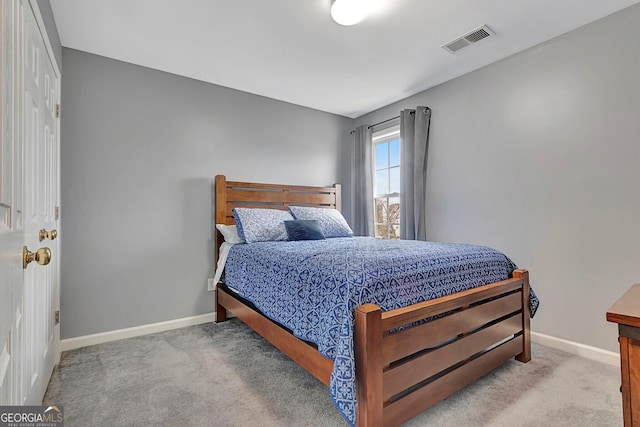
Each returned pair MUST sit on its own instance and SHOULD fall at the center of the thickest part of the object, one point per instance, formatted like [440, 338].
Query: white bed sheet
[223, 253]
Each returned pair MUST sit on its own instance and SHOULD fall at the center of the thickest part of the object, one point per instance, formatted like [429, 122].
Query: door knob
[42, 256]
[44, 234]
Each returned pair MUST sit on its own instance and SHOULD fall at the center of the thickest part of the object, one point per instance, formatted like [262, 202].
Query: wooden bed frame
[398, 373]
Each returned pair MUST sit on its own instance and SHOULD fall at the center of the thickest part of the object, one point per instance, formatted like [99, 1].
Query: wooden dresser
[626, 313]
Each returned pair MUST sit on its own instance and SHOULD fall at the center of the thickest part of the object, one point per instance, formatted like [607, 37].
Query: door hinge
[57, 213]
[57, 317]
[57, 110]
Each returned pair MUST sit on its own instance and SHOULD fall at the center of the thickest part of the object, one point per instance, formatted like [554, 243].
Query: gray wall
[537, 155]
[139, 151]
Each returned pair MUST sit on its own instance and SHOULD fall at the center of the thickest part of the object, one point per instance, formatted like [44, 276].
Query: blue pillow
[261, 225]
[304, 229]
[331, 221]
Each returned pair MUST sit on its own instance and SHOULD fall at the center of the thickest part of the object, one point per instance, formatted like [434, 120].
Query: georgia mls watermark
[31, 416]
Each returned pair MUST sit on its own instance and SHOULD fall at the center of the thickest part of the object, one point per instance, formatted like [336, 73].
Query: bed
[405, 359]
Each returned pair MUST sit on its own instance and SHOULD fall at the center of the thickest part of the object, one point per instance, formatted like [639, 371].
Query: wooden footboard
[401, 371]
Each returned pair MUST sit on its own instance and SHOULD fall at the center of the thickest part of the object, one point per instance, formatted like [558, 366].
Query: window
[386, 192]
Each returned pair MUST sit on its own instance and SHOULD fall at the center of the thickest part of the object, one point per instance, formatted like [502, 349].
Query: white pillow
[331, 221]
[230, 233]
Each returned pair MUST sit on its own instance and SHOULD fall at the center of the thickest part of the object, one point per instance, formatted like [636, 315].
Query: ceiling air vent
[468, 39]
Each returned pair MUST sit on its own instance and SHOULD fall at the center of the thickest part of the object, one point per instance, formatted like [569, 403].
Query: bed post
[220, 207]
[525, 356]
[368, 352]
[338, 193]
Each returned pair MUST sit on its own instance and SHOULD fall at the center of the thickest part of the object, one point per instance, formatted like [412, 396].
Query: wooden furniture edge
[626, 313]
[369, 367]
[220, 199]
[525, 356]
[625, 387]
[626, 310]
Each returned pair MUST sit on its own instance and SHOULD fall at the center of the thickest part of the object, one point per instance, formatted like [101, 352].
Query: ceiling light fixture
[347, 12]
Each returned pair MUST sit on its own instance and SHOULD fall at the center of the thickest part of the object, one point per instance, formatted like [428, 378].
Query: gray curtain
[414, 134]
[362, 179]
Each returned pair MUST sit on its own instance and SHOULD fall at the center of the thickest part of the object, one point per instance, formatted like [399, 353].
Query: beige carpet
[226, 375]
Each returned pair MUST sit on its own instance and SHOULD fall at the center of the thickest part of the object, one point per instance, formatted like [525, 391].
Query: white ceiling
[292, 50]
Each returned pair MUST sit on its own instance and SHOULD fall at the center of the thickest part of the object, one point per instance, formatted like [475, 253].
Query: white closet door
[33, 342]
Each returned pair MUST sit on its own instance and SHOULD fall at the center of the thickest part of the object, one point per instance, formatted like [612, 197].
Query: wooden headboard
[235, 194]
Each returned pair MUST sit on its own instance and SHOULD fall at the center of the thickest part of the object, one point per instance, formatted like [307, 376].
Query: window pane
[394, 180]
[382, 181]
[382, 155]
[381, 210]
[395, 232]
[393, 211]
[394, 152]
[382, 231]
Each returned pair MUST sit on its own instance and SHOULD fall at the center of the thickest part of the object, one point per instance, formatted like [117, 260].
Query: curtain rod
[383, 122]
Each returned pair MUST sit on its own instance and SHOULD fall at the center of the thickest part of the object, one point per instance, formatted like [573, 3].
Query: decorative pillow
[304, 229]
[331, 221]
[230, 233]
[261, 225]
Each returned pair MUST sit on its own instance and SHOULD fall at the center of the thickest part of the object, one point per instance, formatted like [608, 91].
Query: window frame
[386, 136]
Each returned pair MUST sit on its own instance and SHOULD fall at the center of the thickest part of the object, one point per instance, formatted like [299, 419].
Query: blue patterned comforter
[313, 287]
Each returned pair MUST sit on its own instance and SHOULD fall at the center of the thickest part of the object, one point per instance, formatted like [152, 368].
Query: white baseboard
[593, 353]
[119, 334]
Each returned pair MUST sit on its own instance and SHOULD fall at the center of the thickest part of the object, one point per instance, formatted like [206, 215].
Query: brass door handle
[44, 234]
[42, 256]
